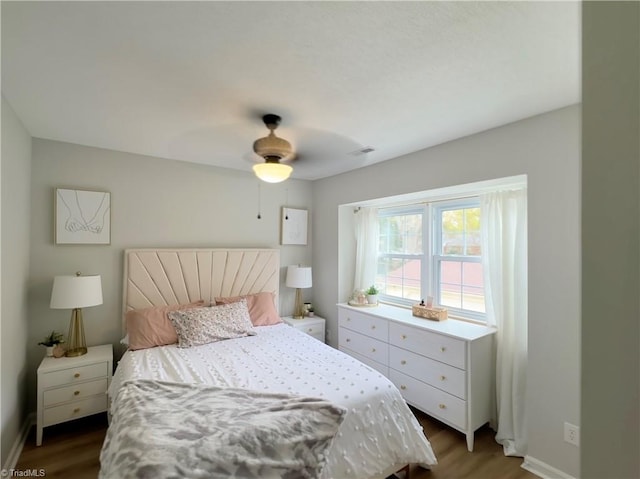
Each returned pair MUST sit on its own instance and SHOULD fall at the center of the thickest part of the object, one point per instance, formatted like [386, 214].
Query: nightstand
[312, 326]
[71, 388]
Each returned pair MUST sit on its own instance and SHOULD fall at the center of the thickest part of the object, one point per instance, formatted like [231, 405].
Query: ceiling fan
[273, 149]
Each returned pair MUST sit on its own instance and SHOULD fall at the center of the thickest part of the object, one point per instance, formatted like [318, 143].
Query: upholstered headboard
[159, 277]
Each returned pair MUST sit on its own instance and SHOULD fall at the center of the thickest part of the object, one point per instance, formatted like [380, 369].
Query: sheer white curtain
[366, 247]
[504, 261]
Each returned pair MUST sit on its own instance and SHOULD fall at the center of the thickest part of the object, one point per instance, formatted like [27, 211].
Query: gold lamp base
[298, 308]
[77, 345]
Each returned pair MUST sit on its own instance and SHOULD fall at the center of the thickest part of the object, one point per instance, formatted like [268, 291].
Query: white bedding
[378, 431]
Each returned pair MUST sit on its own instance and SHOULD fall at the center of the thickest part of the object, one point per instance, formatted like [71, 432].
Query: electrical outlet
[572, 434]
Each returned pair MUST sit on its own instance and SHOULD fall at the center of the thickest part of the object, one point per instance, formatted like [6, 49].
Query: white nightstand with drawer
[71, 388]
[313, 326]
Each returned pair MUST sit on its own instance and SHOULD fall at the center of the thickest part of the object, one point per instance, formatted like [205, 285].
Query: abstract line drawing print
[294, 226]
[83, 217]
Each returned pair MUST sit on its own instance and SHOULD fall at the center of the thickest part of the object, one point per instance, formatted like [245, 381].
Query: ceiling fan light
[272, 171]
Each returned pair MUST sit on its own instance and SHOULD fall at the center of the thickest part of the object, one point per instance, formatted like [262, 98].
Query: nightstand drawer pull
[442, 406]
[404, 336]
[310, 330]
[373, 350]
[403, 362]
[68, 376]
[80, 408]
[403, 387]
[73, 392]
[373, 327]
[442, 378]
[443, 349]
[348, 340]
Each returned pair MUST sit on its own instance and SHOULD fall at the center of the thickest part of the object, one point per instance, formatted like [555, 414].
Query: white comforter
[379, 431]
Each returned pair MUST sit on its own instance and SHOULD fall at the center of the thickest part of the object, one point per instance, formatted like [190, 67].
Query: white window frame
[408, 210]
[432, 248]
[438, 257]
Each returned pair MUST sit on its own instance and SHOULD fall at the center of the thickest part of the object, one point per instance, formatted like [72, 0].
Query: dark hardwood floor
[71, 451]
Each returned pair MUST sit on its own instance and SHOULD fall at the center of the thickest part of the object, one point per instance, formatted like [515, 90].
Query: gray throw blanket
[169, 430]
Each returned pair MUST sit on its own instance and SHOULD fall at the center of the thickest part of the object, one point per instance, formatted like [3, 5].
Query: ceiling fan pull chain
[259, 201]
[286, 210]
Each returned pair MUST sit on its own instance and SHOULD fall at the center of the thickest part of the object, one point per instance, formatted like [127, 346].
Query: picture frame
[82, 217]
[294, 226]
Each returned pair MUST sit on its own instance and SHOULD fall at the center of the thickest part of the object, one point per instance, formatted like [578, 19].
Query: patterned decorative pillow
[199, 326]
[262, 309]
[150, 327]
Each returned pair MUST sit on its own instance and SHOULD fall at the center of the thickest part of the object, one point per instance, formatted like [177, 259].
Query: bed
[364, 427]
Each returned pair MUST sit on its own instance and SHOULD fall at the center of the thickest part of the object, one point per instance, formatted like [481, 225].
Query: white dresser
[443, 368]
[71, 388]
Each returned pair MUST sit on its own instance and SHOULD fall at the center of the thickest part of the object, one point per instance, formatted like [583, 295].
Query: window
[458, 278]
[432, 250]
[401, 253]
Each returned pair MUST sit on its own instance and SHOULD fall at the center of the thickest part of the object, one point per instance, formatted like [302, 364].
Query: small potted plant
[52, 340]
[372, 294]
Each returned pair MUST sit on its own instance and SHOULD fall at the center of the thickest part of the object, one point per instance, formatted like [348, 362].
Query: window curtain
[367, 233]
[504, 261]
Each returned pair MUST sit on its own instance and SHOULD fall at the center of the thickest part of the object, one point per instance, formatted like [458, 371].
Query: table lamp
[76, 292]
[298, 277]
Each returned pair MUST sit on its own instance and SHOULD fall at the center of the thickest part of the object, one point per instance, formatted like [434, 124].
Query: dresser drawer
[433, 401]
[381, 368]
[75, 391]
[74, 375]
[435, 373]
[74, 410]
[364, 345]
[372, 326]
[435, 346]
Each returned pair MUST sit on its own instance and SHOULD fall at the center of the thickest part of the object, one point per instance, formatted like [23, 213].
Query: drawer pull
[349, 319]
[403, 387]
[75, 393]
[373, 327]
[443, 349]
[76, 375]
[404, 336]
[76, 410]
[373, 350]
[348, 340]
[442, 406]
[310, 330]
[403, 362]
[442, 378]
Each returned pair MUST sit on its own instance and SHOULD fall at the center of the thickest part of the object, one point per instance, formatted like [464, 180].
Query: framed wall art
[294, 226]
[82, 217]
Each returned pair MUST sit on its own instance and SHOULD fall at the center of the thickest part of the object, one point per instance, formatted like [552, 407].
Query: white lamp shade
[272, 172]
[70, 292]
[299, 276]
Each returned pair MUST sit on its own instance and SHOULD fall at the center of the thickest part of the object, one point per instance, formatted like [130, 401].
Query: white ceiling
[191, 80]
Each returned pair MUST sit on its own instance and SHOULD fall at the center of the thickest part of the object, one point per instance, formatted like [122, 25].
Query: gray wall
[154, 203]
[15, 170]
[611, 242]
[547, 149]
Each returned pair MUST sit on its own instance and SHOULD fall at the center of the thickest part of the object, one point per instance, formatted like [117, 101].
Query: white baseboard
[543, 470]
[16, 450]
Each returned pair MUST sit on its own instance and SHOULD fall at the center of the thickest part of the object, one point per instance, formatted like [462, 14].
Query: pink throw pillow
[262, 309]
[151, 327]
